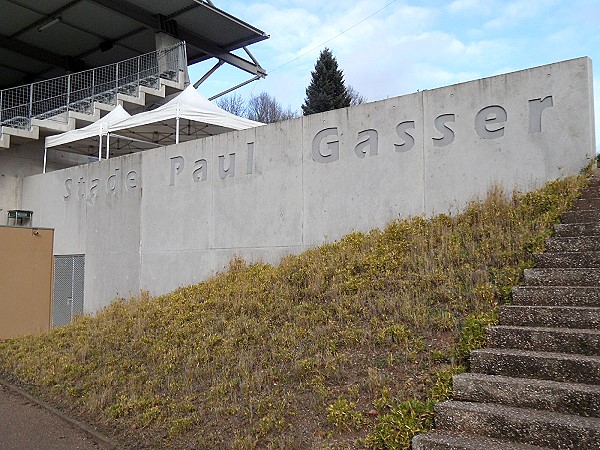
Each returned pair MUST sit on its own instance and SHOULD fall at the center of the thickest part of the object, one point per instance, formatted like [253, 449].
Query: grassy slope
[322, 351]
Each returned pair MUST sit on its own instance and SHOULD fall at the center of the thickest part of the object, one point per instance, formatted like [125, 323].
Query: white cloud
[517, 11]
[474, 7]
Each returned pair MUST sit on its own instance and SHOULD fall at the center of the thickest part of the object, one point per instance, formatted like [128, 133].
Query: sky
[388, 48]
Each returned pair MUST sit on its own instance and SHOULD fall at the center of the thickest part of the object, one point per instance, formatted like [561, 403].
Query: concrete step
[124, 99]
[526, 426]
[172, 86]
[587, 202]
[586, 296]
[149, 91]
[550, 316]
[539, 365]
[83, 119]
[581, 216]
[32, 133]
[565, 398]
[563, 340]
[446, 440]
[579, 259]
[573, 244]
[4, 140]
[577, 229]
[562, 277]
[57, 124]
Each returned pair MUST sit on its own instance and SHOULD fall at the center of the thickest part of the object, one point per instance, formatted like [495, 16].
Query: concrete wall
[173, 216]
[25, 280]
[16, 163]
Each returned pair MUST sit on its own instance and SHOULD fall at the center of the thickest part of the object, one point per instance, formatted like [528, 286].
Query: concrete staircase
[537, 385]
[71, 120]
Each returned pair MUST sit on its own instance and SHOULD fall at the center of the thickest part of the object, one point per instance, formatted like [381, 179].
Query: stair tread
[572, 317]
[534, 354]
[563, 269]
[536, 364]
[574, 243]
[452, 440]
[523, 425]
[548, 329]
[533, 382]
[523, 414]
[569, 253]
[565, 308]
[568, 260]
[588, 289]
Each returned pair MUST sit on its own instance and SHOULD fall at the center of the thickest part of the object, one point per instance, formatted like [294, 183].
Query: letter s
[68, 183]
[409, 140]
[447, 133]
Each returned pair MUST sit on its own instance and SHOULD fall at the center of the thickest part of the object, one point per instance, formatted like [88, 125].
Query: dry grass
[343, 346]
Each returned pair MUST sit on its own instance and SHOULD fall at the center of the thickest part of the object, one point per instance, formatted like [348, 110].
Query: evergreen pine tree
[326, 90]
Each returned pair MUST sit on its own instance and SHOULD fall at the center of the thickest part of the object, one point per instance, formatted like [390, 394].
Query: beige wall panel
[25, 280]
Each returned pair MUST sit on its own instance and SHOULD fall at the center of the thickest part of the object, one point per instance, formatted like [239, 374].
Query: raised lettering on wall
[408, 141]
[177, 164]
[328, 141]
[250, 159]
[230, 170]
[111, 183]
[370, 140]
[131, 179]
[94, 188]
[487, 122]
[536, 108]
[447, 134]
[68, 183]
[81, 188]
[200, 170]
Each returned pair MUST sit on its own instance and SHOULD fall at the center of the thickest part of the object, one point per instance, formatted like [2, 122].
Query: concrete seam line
[103, 440]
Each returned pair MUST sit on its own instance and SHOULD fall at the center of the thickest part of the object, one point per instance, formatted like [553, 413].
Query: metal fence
[78, 91]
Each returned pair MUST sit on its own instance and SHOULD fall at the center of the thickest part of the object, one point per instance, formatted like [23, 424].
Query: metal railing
[54, 98]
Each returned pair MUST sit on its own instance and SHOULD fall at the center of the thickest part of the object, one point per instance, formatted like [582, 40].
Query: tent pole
[45, 159]
[107, 145]
[177, 126]
[100, 147]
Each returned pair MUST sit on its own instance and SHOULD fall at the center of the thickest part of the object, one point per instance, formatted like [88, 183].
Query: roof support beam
[44, 19]
[152, 22]
[40, 54]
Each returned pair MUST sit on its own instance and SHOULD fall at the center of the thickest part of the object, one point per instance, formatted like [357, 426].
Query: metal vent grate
[68, 288]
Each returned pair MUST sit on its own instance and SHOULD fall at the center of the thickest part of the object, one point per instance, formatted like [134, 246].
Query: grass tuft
[345, 346]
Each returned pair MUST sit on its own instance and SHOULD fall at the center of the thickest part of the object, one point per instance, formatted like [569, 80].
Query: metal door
[68, 288]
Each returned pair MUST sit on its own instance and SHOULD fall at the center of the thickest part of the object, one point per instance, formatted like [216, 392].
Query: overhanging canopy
[187, 116]
[86, 138]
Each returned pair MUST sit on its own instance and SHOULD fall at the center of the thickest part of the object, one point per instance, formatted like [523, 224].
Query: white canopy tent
[187, 116]
[85, 140]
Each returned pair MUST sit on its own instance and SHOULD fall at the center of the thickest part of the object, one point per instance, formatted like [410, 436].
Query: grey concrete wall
[16, 163]
[19, 161]
[174, 216]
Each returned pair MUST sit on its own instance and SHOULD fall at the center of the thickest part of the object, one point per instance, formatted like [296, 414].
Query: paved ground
[26, 426]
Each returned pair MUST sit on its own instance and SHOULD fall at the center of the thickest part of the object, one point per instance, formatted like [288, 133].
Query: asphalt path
[24, 425]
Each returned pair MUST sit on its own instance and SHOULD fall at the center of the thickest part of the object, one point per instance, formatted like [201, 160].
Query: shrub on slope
[343, 346]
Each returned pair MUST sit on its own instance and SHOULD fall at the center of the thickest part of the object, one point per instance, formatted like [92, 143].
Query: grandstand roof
[40, 39]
